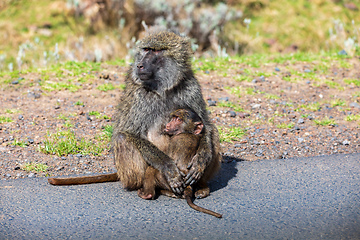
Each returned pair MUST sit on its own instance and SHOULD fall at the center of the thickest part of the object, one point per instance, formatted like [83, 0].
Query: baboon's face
[161, 62]
[148, 69]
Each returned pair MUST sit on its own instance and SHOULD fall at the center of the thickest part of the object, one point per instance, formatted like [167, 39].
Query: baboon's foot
[202, 192]
[147, 195]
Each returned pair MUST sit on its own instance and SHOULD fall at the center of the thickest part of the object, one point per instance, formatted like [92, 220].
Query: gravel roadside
[293, 110]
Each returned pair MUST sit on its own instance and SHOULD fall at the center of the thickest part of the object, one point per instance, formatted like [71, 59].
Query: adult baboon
[160, 81]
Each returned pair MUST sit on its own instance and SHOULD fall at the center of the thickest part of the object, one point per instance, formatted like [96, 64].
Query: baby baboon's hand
[196, 170]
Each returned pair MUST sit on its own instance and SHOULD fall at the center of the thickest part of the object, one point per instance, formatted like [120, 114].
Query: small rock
[277, 69]
[259, 153]
[15, 82]
[354, 105]
[211, 103]
[17, 168]
[243, 115]
[57, 107]
[232, 114]
[307, 70]
[59, 168]
[31, 175]
[254, 80]
[63, 158]
[345, 142]
[308, 82]
[300, 140]
[300, 121]
[262, 78]
[342, 52]
[255, 106]
[225, 99]
[78, 155]
[21, 117]
[33, 95]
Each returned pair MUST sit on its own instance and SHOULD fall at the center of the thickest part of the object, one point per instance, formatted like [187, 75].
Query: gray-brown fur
[143, 112]
[184, 131]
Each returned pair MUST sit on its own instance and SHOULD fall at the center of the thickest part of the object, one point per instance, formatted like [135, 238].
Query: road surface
[299, 198]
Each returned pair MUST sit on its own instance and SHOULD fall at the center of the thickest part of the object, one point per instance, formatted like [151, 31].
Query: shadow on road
[228, 171]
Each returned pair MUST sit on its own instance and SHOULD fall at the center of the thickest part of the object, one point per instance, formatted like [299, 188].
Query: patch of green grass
[337, 102]
[351, 118]
[103, 117]
[356, 82]
[79, 103]
[241, 78]
[65, 143]
[63, 117]
[238, 91]
[106, 87]
[72, 68]
[231, 134]
[285, 126]
[19, 143]
[311, 106]
[231, 105]
[4, 119]
[272, 96]
[325, 122]
[12, 111]
[344, 64]
[332, 84]
[94, 113]
[122, 86]
[59, 86]
[219, 64]
[117, 62]
[35, 167]
[271, 120]
[68, 124]
[108, 131]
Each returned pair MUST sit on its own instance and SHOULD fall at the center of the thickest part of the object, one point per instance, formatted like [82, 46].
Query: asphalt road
[299, 198]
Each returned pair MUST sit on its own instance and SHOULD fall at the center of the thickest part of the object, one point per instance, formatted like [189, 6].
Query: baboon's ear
[198, 128]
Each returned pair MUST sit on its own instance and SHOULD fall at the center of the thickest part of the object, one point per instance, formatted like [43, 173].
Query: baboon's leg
[129, 163]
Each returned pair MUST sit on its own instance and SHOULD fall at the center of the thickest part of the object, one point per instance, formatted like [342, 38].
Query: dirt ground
[275, 119]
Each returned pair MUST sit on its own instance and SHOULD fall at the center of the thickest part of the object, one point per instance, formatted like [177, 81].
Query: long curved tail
[188, 196]
[109, 177]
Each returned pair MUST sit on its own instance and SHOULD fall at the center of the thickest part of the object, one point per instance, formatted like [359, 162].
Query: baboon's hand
[176, 181]
[196, 170]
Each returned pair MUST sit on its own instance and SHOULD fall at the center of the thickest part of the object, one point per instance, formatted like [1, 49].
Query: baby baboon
[185, 130]
[160, 81]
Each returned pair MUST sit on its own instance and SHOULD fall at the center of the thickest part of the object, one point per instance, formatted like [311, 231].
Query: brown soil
[38, 114]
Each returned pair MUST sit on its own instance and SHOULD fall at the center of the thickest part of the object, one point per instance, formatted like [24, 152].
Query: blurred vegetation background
[36, 33]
